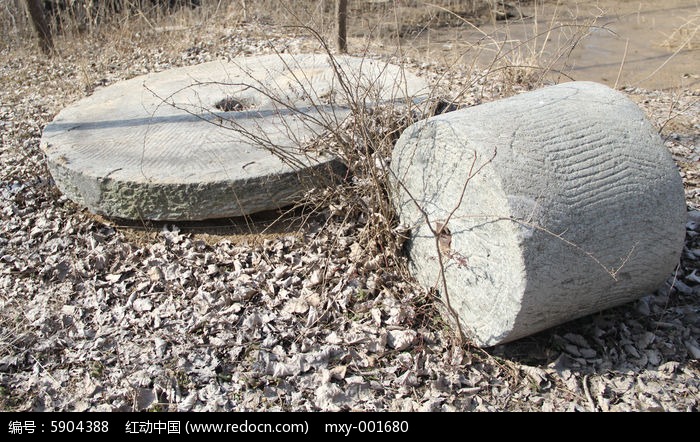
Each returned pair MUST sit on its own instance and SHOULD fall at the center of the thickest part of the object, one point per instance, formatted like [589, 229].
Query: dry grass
[685, 36]
[517, 51]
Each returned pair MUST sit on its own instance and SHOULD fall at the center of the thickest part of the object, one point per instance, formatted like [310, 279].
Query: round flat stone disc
[215, 140]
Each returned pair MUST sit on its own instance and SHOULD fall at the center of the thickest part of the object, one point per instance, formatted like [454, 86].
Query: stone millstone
[197, 142]
[555, 204]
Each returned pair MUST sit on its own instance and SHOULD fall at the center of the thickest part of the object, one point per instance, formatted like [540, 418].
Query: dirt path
[649, 44]
[662, 42]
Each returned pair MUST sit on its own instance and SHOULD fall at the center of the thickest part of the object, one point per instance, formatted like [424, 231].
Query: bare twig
[587, 392]
[622, 64]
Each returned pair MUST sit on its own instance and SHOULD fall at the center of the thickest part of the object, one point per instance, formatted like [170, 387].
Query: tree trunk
[244, 6]
[341, 15]
[36, 13]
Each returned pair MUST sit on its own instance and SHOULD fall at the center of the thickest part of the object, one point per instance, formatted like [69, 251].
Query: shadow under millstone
[251, 228]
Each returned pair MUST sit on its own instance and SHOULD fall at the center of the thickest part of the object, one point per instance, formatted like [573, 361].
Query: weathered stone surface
[195, 142]
[558, 203]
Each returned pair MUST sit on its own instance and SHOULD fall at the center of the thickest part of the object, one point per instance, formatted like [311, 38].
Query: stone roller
[547, 206]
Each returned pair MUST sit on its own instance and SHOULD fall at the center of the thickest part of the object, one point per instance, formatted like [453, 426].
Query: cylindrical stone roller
[541, 208]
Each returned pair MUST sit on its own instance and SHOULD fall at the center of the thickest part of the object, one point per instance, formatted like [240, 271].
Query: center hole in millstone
[231, 104]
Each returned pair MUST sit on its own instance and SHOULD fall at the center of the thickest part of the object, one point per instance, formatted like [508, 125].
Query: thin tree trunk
[36, 13]
[341, 16]
[245, 10]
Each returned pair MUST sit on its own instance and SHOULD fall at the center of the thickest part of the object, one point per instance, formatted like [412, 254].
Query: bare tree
[36, 14]
[341, 15]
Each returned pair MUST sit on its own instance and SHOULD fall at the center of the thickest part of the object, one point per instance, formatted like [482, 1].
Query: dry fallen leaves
[91, 320]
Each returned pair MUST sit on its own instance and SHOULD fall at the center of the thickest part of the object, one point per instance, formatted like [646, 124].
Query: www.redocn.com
[246, 427]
